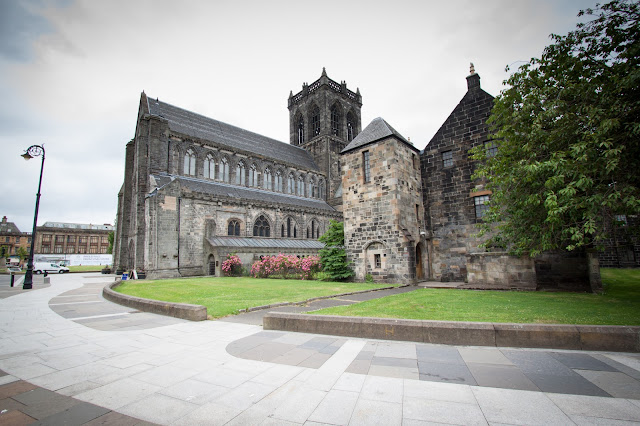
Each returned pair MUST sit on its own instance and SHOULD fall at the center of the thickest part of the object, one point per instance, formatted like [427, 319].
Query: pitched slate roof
[377, 130]
[268, 243]
[226, 190]
[199, 126]
[8, 227]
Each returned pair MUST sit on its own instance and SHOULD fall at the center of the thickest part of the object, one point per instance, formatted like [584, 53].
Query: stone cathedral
[196, 189]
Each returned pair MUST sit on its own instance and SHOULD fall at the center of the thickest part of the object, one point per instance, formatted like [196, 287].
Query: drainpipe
[179, 208]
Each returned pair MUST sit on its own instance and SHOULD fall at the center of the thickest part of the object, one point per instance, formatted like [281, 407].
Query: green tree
[333, 256]
[568, 131]
[110, 237]
[22, 253]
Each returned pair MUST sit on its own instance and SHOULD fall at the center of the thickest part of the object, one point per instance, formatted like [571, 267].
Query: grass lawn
[225, 296]
[620, 305]
[85, 268]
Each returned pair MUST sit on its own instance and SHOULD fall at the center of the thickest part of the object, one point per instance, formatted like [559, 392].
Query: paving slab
[597, 407]
[615, 384]
[501, 376]
[448, 373]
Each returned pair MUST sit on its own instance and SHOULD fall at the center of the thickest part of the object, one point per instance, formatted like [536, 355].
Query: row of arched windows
[272, 181]
[314, 124]
[262, 228]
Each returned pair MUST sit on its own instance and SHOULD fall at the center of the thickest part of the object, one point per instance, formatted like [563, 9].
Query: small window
[190, 163]
[351, 125]
[416, 164]
[490, 148]
[365, 165]
[223, 170]
[261, 227]
[447, 158]
[233, 228]
[209, 167]
[253, 176]
[240, 174]
[481, 206]
[268, 180]
[377, 261]
[621, 219]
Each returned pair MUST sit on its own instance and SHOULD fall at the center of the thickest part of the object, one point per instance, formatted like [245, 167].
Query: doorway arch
[211, 265]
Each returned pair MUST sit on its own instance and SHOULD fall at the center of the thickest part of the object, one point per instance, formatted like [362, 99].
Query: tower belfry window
[335, 121]
[351, 124]
[315, 121]
[300, 130]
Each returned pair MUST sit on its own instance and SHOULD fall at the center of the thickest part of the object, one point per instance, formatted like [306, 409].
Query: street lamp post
[31, 152]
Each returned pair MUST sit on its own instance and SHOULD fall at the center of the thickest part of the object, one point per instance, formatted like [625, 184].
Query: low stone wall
[580, 337]
[499, 270]
[177, 310]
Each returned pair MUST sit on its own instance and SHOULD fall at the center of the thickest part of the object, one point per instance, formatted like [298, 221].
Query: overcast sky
[71, 74]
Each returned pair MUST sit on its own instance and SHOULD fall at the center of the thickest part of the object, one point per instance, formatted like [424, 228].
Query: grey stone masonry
[449, 190]
[382, 208]
[323, 118]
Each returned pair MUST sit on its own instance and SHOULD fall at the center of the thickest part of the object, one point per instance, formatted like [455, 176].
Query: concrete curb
[177, 310]
[550, 336]
[313, 299]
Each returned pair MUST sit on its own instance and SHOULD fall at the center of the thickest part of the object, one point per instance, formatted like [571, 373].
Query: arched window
[300, 188]
[261, 227]
[321, 189]
[282, 230]
[268, 179]
[307, 232]
[240, 173]
[300, 129]
[313, 228]
[209, 167]
[253, 175]
[278, 181]
[315, 121]
[190, 163]
[291, 186]
[351, 126]
[313, 188]
[291, 228]
[223, 170]
[233, 228]
[310, 189]
[335, 120]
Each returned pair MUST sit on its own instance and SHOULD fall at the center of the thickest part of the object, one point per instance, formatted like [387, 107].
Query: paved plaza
[67, 356]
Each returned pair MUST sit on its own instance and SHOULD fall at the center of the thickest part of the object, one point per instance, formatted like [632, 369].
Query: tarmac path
[67, 356]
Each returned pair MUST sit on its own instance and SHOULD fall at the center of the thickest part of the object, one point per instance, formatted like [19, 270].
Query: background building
[72, 238]
[11, 239]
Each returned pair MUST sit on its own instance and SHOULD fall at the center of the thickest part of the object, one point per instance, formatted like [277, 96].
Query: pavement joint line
[100, 316]
[75, 303]
[78, 295]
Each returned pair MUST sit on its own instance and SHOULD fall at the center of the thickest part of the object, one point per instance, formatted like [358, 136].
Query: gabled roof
[226, 190]
[196, 125]
[8, 227]
[377, 130]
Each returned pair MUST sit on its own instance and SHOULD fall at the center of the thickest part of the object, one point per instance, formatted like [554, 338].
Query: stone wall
[381, 217]
[500, 271]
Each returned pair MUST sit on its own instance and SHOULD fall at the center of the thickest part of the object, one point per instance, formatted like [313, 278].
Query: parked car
[52, 268]
[13, 269]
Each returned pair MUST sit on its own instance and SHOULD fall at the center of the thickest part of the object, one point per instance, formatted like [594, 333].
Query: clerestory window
[190, 163]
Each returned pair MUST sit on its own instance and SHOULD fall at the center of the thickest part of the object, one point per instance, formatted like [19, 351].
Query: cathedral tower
[323, 118]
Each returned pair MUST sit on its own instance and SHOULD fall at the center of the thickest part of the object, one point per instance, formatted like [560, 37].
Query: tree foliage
[110, 237]
[333, 256]
[568, 131]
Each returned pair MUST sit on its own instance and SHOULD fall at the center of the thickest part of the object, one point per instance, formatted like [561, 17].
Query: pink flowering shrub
[232, 266]
[286, 266]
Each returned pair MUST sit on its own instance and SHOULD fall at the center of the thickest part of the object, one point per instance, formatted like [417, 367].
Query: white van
[52, 268]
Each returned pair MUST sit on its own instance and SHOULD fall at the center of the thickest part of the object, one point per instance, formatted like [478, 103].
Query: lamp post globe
[31, 152]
